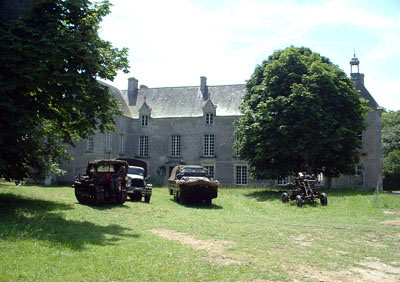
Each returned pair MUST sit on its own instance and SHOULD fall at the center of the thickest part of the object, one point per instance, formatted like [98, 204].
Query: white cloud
[175, 42]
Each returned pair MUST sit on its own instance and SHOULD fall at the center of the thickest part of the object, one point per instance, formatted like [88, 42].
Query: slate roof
[118, 95]
[187, 101]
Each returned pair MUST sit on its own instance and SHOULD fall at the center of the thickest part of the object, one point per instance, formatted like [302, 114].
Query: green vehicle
[104, 182]
[192, 184]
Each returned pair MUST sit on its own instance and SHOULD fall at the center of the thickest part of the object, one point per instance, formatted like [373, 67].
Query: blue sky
[173, 43]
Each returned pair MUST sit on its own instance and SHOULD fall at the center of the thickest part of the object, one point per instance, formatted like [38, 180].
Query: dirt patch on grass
[304, 240]
[392, 212]
[215, 248]
[391, 222]
[369, 270]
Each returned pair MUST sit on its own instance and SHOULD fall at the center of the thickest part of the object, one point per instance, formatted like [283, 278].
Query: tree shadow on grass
[266, 195]
[22, 218]
[199, 205]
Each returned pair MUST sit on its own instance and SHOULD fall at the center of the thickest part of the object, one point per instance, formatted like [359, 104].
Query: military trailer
[137, 187]
[303, 188]
[104, 182]
[192, 184]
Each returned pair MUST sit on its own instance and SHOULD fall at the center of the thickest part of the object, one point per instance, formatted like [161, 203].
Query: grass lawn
[246, 235]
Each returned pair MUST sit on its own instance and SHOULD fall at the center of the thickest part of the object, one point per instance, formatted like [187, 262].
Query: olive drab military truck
[104, 182]
[136, 185]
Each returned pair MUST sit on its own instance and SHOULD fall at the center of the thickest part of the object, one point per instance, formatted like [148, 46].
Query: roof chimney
[132, 90]
[204, 87]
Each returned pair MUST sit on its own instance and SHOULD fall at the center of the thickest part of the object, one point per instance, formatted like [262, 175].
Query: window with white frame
[285, 180]
[175, 145]
[210, 169]
[90, 144]
[209, 145]
[108, 142]
[209, 118]
[241, 175]
[144, 120]
[121, 144]
[143, 146]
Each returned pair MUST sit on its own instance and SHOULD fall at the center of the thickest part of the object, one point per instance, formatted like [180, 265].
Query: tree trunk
[327, 182]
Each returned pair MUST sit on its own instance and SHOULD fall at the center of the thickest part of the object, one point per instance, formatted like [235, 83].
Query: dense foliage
[391, 149]
[51, 56]
[301, 112]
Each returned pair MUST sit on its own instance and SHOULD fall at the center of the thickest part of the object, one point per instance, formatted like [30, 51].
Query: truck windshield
[136, 171]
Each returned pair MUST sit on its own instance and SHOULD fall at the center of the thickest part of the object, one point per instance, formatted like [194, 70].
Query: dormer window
[209, 118]
[144, 120]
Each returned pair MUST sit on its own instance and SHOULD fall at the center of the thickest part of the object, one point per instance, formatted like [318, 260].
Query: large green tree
[391, 149]
[51, 57]
[390, 132]
[301, 112]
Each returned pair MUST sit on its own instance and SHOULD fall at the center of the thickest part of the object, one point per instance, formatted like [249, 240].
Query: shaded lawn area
[246, 235]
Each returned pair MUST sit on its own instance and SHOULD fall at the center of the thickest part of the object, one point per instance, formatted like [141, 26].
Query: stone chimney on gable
[204, 87]
[132, 91]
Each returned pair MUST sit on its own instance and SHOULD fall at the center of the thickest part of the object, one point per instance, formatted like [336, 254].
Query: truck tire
[147, 199]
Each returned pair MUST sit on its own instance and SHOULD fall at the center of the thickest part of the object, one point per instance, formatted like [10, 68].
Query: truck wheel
[124, 196]
[299, 201]
[80, 198]
[324, 199]
[285, 197]
[182, 201]
[147, 199]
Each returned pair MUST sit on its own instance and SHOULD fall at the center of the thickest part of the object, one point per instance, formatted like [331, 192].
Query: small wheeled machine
[302, 189]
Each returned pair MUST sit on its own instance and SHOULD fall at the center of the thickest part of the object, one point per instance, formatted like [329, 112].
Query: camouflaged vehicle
[104, 182]
[191, 184]
[136, 185]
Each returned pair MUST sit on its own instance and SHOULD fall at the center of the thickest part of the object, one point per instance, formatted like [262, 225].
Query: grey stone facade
[194, 125]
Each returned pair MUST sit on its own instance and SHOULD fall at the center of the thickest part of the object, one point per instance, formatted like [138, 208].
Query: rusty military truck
[103, 182]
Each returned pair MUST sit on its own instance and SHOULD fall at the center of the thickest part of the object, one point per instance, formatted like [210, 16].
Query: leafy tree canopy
[301, 112]
[390, 132]
[51, 57]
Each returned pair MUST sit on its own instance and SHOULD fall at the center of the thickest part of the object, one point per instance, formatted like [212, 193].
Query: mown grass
[246, 235]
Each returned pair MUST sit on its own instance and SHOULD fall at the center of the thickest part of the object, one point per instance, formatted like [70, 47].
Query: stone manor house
[170, 126]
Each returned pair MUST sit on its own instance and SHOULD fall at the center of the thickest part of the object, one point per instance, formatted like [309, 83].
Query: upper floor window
[241, 175]
[209, 148]
[144, 146]
[144, 120]
[209, 118]
[90, 144]
[121, 144]
[108, 142]
[175, 145]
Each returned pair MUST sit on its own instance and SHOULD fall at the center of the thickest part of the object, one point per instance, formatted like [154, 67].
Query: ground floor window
[210, 169]
[285, 180]
[241, 175]
[175, 145]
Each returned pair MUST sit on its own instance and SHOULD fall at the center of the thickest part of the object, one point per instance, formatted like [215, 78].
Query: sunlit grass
[247, 234]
